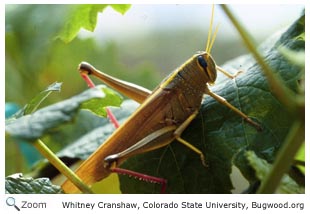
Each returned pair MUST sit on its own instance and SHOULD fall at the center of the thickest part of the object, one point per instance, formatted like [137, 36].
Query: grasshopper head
[207, 64]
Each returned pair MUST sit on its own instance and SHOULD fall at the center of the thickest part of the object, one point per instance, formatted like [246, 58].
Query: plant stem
[277, 87]
[112, 118]
[296, 135]
[285, 157]
[58, 164]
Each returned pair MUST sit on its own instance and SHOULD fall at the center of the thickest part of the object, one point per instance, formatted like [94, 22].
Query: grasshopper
[163, 115]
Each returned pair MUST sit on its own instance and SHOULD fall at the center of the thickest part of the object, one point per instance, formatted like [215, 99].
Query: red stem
[88, 80]
[112, 118]
[109, 112]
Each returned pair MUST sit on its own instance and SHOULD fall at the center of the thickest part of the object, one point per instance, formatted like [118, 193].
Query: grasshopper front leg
[226, 103]
[231, 76]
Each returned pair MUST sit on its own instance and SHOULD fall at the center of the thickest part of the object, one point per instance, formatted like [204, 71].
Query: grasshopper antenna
[210, 29]
[211, 38]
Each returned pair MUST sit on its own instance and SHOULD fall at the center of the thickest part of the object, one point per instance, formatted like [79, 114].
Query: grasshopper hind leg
[111, 163]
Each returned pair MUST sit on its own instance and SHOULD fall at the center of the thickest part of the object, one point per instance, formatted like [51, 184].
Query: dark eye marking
[202, 62]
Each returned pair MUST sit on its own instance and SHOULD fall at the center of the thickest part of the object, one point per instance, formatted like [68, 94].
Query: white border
[55, 201]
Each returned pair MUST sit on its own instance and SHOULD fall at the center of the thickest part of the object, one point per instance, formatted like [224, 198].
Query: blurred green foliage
[85, 16]
[35, 58]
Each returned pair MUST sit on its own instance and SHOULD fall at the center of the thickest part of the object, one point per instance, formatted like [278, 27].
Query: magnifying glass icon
[10, 201]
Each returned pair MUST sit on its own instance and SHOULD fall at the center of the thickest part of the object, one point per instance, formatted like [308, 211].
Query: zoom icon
[10, 201]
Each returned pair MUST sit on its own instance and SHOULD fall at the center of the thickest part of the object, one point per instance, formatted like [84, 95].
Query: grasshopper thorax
[207, 65]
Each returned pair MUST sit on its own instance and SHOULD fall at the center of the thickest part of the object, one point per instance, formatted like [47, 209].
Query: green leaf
[262, 168]
[111, 98]
[17, 184]
[223, 136]
[32, 127]
[81, 16]
[37, 100]
[85, 16]
[300, 156]
[296, 57]
[121, 8]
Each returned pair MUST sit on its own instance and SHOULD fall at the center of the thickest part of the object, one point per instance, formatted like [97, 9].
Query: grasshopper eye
[207, 64]
[202, 62]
